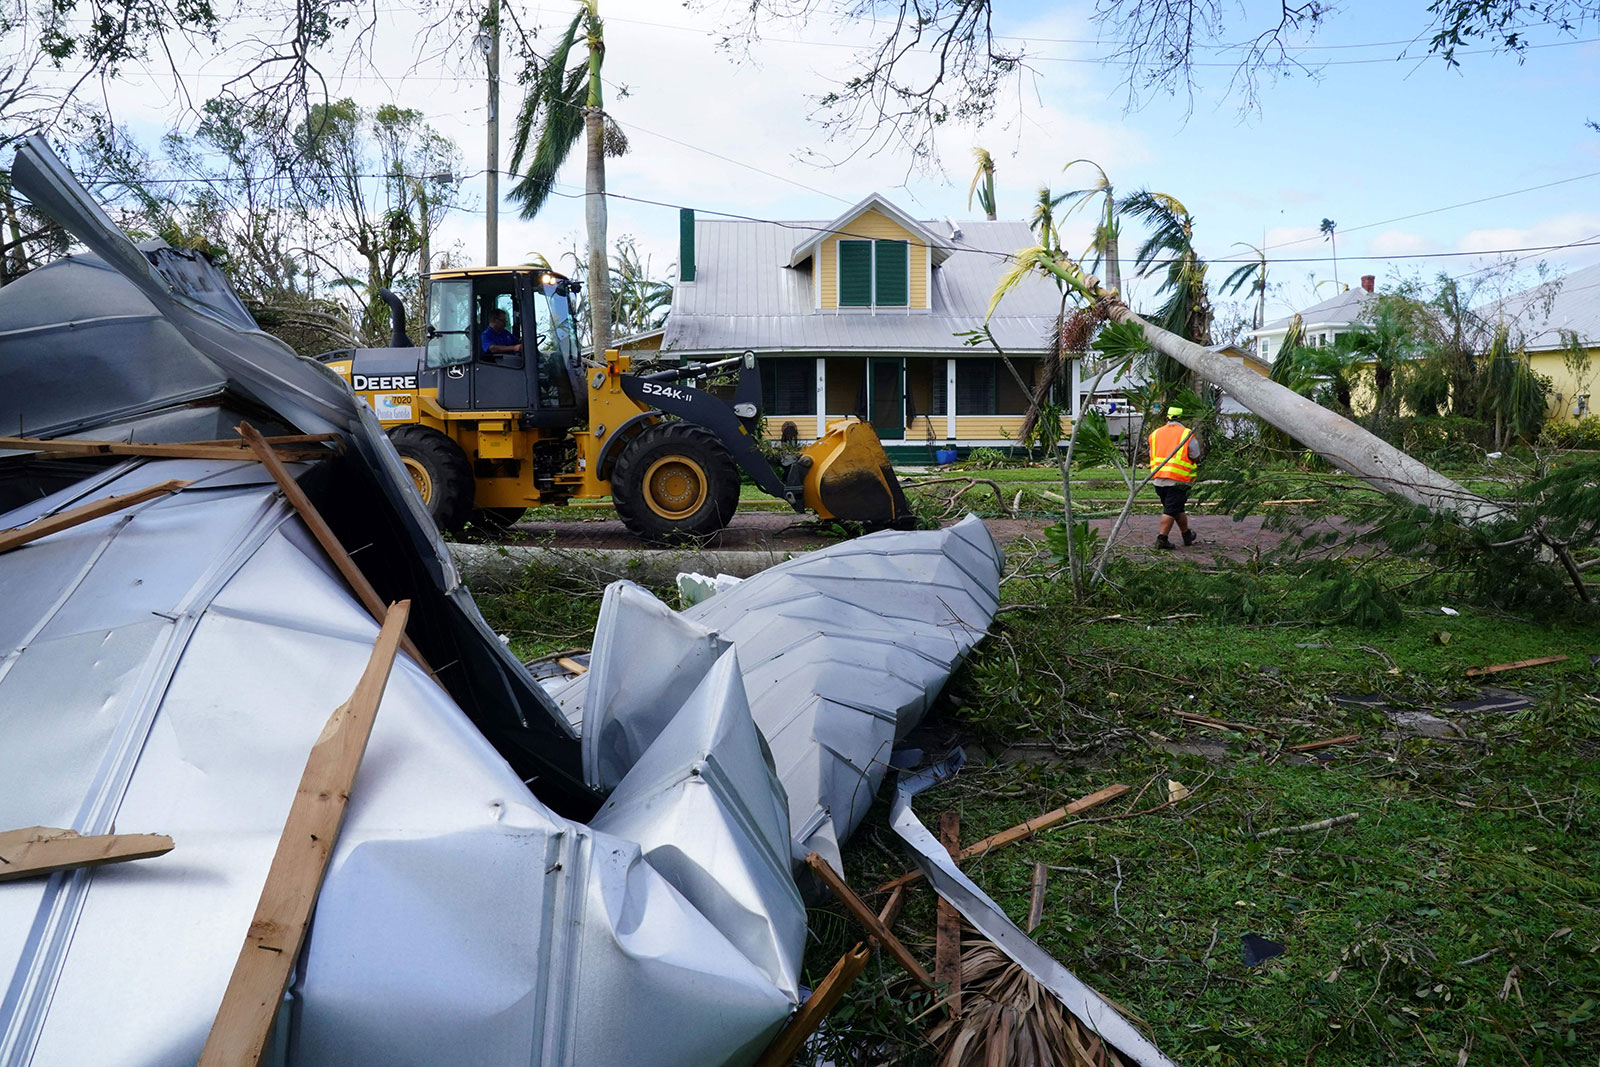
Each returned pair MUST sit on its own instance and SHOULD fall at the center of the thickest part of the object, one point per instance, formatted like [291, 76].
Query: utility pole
[491, 196]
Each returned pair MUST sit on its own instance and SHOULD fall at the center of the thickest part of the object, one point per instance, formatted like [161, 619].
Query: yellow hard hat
[1174, 413]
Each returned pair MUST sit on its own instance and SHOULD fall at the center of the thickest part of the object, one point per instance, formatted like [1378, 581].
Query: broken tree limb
[1041, 875]
[243, 1025]
[342, 560]
[947, 926]
[41, 850]
[792, 1038]
[1496, 668]
[1221, 724]
[66, 520]
[1310, 827]
[1021, 831]
[868, 918]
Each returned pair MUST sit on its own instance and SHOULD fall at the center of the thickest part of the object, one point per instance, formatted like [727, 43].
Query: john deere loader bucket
[850, 478]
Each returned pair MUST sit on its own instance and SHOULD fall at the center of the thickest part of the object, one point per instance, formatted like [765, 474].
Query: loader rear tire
[440, 471]
[674, 481]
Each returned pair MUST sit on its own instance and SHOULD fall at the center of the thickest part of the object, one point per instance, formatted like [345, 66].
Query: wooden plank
[1021, 831]
[243, 1025]
[66, 520]
[823, 999]
[1479, 672]
[891, 907]
[570, 665]
[868, 918]
[1041, 875]
[1312, 746]
[320, 530]
[41, 850]
[157, 450]
[947, 927]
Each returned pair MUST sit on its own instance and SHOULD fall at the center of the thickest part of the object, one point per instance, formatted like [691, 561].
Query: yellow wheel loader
[490, 424]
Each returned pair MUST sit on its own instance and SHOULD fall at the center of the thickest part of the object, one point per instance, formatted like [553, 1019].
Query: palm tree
[1103, 246]
[983, 183]
[1254, 274]
[562, 99]
[1326, 229]
[1170, 246]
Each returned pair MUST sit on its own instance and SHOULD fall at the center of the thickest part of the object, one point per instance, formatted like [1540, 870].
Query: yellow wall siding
[991, 427]
[1566, 385]
[878, 226]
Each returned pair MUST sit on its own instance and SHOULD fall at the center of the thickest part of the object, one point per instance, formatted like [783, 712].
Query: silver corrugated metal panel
[746, 296]
[168, 668]
[1542, 317]
[1342, 310]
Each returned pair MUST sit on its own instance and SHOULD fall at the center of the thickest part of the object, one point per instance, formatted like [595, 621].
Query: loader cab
[539, 381]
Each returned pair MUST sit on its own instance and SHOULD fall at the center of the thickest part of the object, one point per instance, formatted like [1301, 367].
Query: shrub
[1581, 433]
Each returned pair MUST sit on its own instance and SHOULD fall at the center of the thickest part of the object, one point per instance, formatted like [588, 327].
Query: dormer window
[874, 273]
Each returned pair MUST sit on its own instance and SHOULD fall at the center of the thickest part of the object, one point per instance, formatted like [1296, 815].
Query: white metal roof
[1547, 310]
[746, 296]
[1342, 310]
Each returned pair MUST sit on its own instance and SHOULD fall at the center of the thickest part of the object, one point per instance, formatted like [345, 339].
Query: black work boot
[1162, 541]
[1190, 537]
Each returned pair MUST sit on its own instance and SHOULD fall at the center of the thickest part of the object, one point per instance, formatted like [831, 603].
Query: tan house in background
[1545, 316]
[862, 315]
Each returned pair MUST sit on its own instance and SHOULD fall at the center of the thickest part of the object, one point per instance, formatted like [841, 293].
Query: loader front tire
[440, 471]
[675, 480]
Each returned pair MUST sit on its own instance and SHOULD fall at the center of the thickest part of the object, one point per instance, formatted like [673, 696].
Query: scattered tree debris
[1310, 827]
[1312, 746]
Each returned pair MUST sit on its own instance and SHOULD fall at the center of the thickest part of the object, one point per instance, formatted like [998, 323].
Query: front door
[886, 398]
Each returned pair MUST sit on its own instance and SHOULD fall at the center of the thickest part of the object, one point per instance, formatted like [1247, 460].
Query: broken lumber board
[891, 907]
[65, 520]
[342, 560]
[947, 924]
[243, 1026]
[823, 999]
[1312, 746]
[40, 850]
[1496, 668]
[161, 450]
[1021, 831]
[1041, 875]
[868, 918]
[570, 665]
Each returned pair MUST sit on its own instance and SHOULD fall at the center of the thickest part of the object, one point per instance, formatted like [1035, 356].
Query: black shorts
[1173, 498]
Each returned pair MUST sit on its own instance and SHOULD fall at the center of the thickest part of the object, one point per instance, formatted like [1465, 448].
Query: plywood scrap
[83, 513]
[1312, 746]
[868, 919]
[41, 850]
[1496, 668]
[947, 926]
[243, 1026]
[823, 999]
[1022, 830]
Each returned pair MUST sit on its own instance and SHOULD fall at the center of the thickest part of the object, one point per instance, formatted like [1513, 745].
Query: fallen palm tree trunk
[1325, 432]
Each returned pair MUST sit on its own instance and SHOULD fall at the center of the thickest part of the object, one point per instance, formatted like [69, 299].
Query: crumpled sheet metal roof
[170, 666]
[843, 650]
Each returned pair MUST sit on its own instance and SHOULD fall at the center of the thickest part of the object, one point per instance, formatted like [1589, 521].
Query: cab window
[450, 337]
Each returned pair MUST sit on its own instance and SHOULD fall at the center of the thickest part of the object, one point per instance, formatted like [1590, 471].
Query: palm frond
[551, 118]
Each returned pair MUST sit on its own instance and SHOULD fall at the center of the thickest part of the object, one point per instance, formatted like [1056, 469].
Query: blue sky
[1367, 139]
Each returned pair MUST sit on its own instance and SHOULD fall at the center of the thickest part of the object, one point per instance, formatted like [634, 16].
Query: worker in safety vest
[1174, 452]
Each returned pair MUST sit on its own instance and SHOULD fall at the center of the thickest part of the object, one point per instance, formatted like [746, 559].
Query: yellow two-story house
[867, 314]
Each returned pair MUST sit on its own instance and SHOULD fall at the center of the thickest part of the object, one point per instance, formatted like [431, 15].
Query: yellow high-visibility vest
[1172, 440]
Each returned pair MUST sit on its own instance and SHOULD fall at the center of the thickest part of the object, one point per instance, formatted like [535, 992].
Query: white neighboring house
[1321, 322]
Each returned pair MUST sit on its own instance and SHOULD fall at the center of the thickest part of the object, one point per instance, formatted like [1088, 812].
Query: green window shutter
[855, 274]
[894, 287]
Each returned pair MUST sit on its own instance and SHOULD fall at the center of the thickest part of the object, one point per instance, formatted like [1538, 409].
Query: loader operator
[1174, 452]
[497, 340]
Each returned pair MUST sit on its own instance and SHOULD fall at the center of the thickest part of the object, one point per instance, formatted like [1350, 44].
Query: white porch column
[950, 400]
[822, 395]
